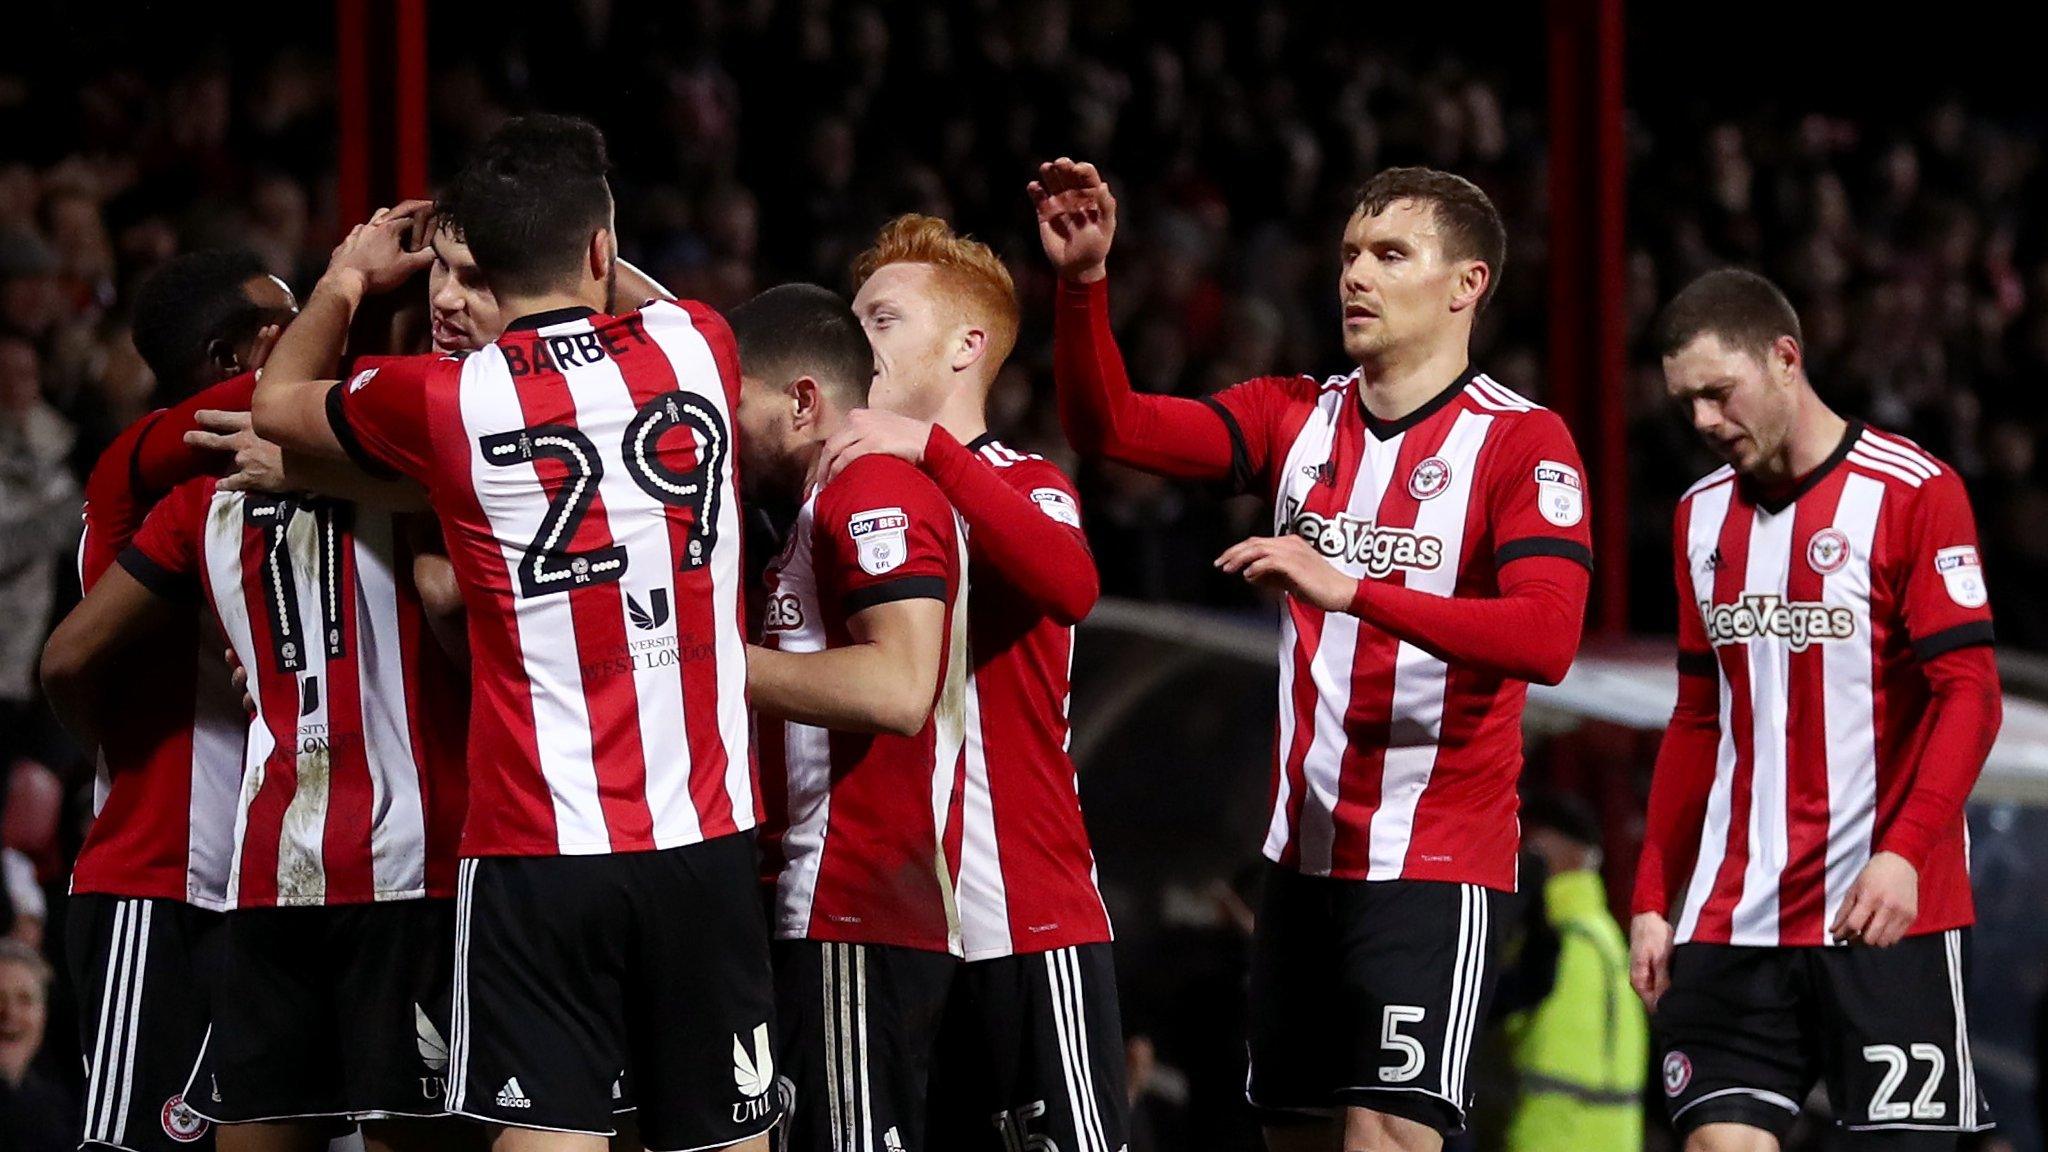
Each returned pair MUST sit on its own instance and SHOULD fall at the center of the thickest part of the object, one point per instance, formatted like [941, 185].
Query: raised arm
[290, 400]
[1169, 435]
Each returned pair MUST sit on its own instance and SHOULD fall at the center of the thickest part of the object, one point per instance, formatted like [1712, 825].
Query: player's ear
[1470, 288]
[222, 356]
[1787, 359]
[806, 403]
[602, 254]
[969, 348]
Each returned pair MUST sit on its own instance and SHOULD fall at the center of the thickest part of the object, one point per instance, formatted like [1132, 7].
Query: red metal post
[1589, 274]
[352, 79]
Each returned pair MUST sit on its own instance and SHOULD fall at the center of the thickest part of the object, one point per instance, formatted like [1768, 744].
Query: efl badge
[1429, 479]
[1559, 494]
[880, 539]
[1827, 551]
[1677, 1073]
[1058, 505]
[181, 1123]
[1963, 573]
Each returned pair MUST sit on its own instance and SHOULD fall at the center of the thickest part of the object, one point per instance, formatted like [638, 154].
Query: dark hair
[1745, 310]
[528, 202]
[1468, 221]
[1563, 813]
[797, 330]
[186, 305]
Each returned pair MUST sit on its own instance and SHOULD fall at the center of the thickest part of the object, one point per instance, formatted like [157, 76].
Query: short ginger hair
[970, 271]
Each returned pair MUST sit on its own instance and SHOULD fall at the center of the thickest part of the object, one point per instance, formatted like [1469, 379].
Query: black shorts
[336, 1011]
[142, 969]
[1747, 1032]
[1032, 1048]
[859, 1025]
[643, 974]
[1369, 994]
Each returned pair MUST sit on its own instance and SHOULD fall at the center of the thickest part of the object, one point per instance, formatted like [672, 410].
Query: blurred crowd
[764, 140]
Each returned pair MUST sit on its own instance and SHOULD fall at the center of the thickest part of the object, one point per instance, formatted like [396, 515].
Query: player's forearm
[290, 401]
[1964, 717]
[309, 472]
[1045, 561]
[1168, 435]
[1679, 784]
[1542, 607]
[854, 688]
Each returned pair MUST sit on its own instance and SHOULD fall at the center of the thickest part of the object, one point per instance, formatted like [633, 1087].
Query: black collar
[551, 316]
[1777, 504]
[981, 441]
[1388, 429]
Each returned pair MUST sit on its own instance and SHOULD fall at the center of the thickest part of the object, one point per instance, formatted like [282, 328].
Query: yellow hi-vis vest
[1582, 1054]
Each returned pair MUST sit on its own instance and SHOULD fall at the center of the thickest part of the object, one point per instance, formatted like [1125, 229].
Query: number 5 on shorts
[1412, 1056]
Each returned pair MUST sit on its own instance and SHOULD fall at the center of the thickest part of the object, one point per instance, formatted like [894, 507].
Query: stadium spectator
[1580, 1055]
[35, 1116]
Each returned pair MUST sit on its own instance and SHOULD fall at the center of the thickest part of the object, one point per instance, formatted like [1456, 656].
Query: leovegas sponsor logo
[1380, 551]
[1800, 623]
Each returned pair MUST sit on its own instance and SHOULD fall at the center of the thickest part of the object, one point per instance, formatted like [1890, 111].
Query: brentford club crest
[1677, 1073]
[1827, 551]
[181, 1123]
[1430, 478]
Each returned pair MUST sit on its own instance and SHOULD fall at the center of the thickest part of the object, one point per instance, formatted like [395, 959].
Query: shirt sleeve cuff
[337, 417]
[1649, 895]
[158, 579]
[1911, 840]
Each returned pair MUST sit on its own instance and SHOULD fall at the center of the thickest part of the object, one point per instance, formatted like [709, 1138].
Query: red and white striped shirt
[352, 785]
[858, 823]
[1027, 872]
[584, 471]
[164, 796]
[1815, 614]
[1390, 762]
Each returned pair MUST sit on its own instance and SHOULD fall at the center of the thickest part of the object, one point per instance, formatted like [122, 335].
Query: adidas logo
[433, 1049]
[892, 1141]
[511, 1097]
[1713, 561]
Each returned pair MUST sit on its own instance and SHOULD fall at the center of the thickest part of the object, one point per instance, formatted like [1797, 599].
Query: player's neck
[590, 295]
[1816, 432]
[964, 418]
[1394, 385]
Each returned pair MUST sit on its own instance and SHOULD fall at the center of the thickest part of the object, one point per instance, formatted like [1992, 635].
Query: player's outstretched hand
[1076, 218]
[868, 431]
[1649, 957]
[375, 257]
[1287, 564]
[1881, 905]
[259, 464]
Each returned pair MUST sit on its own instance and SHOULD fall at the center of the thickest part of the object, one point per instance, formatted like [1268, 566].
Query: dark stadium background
[1887, 169]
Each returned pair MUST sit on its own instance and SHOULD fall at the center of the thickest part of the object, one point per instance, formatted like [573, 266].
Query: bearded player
[1803, 906]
